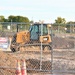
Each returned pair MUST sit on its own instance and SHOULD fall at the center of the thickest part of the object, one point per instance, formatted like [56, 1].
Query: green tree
[5, 20]
[60, 20]
[60, 24]
[70, 26]
[18, 19]
[12, 18]
[31, 21]
[70, 22]
[2, 18]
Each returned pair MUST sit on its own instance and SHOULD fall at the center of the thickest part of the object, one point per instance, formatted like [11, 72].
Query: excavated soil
[8, 61]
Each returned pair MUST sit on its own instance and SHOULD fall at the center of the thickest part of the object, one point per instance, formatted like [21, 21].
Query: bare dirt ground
[63, 60]
[8, 62]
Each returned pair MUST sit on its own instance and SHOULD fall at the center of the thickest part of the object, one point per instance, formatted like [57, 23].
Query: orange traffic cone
[23, 68]
[18, 69]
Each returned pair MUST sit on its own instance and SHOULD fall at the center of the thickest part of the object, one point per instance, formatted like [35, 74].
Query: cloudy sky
[47, 10]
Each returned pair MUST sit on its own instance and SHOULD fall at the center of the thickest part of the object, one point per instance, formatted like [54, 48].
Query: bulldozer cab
[34, 32]
[39, 30]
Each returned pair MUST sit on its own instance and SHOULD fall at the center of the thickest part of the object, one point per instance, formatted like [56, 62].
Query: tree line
[63, 21]
[13, 18]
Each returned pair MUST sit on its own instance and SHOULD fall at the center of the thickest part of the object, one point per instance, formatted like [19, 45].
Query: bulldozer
[37, 35]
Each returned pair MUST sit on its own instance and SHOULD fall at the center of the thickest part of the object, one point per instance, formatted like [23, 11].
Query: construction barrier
[18, 69]
[21, 68]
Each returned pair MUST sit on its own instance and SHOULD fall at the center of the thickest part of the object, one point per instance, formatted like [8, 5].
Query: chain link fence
[63, 49]
[40, 60]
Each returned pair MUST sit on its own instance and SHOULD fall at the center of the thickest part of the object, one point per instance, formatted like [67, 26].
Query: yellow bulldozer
[36, 35]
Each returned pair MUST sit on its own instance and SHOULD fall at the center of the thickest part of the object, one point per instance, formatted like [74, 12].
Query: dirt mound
[7, 59]
[62, 43]
[7, 63]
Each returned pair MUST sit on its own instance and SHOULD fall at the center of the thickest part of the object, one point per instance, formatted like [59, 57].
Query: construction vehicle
[36, 35]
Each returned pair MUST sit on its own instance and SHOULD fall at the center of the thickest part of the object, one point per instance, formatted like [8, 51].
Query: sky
[47, 10]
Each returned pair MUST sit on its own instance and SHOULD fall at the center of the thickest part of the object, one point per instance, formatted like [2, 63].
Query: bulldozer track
[27, 52]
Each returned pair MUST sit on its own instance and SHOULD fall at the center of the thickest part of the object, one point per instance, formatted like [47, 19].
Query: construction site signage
[4, 42]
